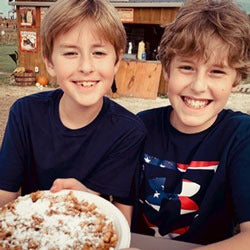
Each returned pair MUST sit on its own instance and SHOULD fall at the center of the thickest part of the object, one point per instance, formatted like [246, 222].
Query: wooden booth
[142, 20]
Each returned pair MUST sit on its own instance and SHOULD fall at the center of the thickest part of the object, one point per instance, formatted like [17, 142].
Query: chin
[89, 103]
[88, 99]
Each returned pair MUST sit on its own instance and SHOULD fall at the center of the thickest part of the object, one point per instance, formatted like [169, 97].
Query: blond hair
[199, 20]
[63, 15]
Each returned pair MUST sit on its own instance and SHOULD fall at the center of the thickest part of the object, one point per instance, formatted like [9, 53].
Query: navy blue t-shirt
[194, 187]
[37, 148]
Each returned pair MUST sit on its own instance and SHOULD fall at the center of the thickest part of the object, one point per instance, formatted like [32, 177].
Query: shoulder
[33, 101]
[234, 122]
[151, 113]
[121, 115]
[235, 118]
[154, 116]
[40, 96]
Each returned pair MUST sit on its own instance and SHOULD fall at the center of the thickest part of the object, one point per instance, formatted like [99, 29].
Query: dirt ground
[8, 94]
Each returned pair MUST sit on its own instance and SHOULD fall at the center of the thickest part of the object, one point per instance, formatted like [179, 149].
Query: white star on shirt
[147, 160]
[156, 194]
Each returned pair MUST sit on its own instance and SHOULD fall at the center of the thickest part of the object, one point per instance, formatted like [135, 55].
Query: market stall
[140, 74]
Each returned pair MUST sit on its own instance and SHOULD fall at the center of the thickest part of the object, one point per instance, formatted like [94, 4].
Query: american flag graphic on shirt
[173, 192]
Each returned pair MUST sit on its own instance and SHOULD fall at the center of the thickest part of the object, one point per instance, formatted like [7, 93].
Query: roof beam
[116, 4]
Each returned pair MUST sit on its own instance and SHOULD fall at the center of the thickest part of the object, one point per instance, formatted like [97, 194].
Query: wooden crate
[139, 79]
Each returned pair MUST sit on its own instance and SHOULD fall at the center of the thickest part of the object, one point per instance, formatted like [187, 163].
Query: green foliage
[6, 63]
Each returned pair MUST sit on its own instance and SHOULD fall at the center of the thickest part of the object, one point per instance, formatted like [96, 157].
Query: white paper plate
[112, 212]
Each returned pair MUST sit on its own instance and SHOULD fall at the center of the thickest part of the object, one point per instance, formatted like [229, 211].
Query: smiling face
[84, 65]
[199, 89]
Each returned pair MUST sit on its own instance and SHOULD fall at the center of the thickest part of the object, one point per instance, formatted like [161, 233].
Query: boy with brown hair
[74, 132]
[196, 164]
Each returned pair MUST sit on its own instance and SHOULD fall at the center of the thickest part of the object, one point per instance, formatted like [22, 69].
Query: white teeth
[195, 103]
[86, 84]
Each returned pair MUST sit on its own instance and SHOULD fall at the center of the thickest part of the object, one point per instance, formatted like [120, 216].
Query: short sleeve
[12, 153]
[239, 179]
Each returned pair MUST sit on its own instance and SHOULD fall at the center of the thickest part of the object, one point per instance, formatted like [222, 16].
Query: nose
[199, 83]
[86, 64]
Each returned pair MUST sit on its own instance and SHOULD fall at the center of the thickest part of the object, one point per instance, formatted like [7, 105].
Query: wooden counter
[139, 79]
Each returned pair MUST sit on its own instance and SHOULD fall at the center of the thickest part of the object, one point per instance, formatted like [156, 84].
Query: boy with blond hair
[196, 165]
[74, 131]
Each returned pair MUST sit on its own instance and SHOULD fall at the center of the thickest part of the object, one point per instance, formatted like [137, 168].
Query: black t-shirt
[37, 148]
[193, 187]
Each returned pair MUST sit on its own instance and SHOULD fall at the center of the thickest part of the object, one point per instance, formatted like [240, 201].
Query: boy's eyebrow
[67, 46]
[216, 64]
[184, 59]
[76, 47]
[221, 65]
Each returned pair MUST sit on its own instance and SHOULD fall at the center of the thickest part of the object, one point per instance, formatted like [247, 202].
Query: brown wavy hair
[199, 20]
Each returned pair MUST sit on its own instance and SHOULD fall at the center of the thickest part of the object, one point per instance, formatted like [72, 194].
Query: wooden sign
[27, 16]
[28, 41]
[126, 14]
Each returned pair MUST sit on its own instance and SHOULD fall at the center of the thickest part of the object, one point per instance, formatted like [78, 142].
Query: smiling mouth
[86, 84]
[195, 103]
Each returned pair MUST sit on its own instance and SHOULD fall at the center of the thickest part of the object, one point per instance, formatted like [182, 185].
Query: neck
[75, 116]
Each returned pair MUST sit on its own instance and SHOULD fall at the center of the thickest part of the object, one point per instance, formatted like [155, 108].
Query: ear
[165, 75]
[117, 64]
[50, 67]
[238, 81]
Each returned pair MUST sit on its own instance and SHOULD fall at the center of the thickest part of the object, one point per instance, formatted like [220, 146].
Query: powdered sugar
[46, 221]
